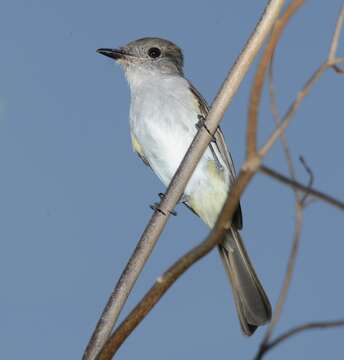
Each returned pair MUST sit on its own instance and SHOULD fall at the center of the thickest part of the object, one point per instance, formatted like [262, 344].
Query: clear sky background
[74, 198]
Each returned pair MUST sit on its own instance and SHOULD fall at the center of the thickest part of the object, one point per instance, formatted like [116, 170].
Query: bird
[166, 111]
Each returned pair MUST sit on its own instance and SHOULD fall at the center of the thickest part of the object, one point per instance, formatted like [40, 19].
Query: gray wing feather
[221, 146]
[218, 136]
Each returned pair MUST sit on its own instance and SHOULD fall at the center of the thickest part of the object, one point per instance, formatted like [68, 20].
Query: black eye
[154, 52]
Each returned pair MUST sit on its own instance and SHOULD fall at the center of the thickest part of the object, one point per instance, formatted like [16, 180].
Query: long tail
[252, 304]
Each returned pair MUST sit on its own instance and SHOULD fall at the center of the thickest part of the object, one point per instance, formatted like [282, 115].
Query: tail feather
[252, 304]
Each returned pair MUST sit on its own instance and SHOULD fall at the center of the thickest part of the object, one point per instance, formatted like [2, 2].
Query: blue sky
[75, 198]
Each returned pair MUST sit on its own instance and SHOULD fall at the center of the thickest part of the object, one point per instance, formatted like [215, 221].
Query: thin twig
[257, 87]
[335, 43]
[292, 109]
[331, 62]
[336, 36]
[299, 208]
[295, 105]
[286, 282]
[304, 188]
[310, 182]
[179, 181]
[298, 212]
[277, 118]
[299, 329]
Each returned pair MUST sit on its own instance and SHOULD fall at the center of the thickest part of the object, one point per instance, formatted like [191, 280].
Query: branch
[336, 36]
[305, 189]
[335, 41]
[297, 330]
[331, 62]
[257, 87]
[176, 188]
[300, 204]
[277, 118]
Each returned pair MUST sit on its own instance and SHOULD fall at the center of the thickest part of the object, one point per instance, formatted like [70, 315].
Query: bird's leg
[201, 122]
[155, 207]
[217, 161]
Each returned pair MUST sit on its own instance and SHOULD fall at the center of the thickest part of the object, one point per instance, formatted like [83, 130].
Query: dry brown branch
[331, 62]
[286, 282]
[258, 83]
[310, 183]
[300, 203]
[299, 206]
[277, 118]
[297, 330]
[292, 183]
[179, 181]
[332, 56]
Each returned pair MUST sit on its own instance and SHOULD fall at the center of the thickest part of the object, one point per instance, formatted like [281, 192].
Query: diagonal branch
[331, 62]
[300, 203]
[332, 57]
[277, 118]
[257, 87]
[336, 36]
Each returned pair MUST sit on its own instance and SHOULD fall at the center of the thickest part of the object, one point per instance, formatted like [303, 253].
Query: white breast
[163, 117]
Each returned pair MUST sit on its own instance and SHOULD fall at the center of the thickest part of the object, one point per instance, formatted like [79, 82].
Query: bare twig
[258, 83]
[179, 181]
[298, 211]
[336, 36]
[299, 207]
[286, 282]
[277, 118]
[292, 109]
[331, 62]
[310, 182]
[295, 105]
[298, 214]
[292, 183]
[332, 57]
[299, 329]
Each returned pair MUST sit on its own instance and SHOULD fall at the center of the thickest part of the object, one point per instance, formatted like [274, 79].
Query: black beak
[112, 53]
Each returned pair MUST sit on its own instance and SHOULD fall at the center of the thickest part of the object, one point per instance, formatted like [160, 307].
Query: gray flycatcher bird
[165, 111]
